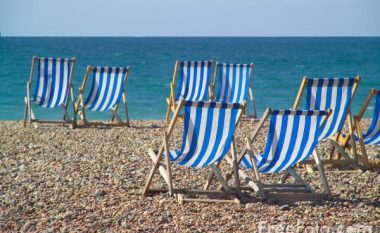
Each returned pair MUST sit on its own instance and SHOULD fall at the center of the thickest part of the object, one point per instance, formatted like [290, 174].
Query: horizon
[189, 36]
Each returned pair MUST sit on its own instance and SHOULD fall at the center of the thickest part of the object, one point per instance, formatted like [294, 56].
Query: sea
[280, 63]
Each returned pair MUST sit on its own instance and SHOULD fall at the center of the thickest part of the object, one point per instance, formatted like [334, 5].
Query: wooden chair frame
[28, 113]
[298, 191]
[171, 99]
[250, 92]
[115, 120]
[363, 157]
[350, 159]
[179, 193]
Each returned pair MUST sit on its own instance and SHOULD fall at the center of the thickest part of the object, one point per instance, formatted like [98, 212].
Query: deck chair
[107, 88]
[207, 137]
[336, 94]
[52, 87]
[372, 136]
[193, 83]
[234, 84]
[292, 138]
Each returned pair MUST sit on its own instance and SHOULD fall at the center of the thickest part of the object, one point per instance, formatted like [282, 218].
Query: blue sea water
[280, 64]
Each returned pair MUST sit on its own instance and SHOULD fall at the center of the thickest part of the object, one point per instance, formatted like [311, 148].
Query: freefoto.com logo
[265, 227]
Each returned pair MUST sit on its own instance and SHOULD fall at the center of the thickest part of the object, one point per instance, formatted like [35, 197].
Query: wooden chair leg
[27, 100]
[363, 157]
[115, 117]
[351, 131]
[254, 108]
[211, 177]
[332, 151]
[168, 112]
[74, 124]
[25, 113]
[83, 116]
[235, 166]
[168, 167]
[31, 113]
[322, 174]
[252, 102]
[125, 108]
[284, 177]
[298, 178]
[220, 177]
[65, 113]
[32, 116]
[151, 174]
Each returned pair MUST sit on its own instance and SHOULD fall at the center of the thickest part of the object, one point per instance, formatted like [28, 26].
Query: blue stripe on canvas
[61, 77]
[107, 80]
[192, 84]
[48, 85]
[208, 133]
[45, 82]
[53, 80]
[287, 155]
[108, 99]
[119, 94]
[100, 84]
[372, 136]
[343, 87]
[233, 82]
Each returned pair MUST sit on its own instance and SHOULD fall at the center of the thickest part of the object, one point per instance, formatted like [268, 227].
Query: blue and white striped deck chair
[193, 83]
[336, 94]
[372, 135]
[107, 89]
[52, 85]
[292, 138]
[208, 135]
[233, 84]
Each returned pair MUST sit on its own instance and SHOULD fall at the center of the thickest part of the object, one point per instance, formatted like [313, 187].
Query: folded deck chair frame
[108, 87]
[206, 150]
[234, 84]
[52, 88]
[372, 136]
[292, 137]
[193, 84]
[324, 92]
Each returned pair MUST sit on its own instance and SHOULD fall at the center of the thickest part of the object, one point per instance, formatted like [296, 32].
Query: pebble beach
[57, 179]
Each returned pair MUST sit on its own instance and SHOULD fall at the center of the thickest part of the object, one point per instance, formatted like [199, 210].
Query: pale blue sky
[190, 18]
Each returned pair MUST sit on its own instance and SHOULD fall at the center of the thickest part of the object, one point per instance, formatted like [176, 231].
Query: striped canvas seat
[193, 80]
[335, 94]
[208, 131]
[208, 134]
[106, 89]
[52, 83]
[233, 82]
[372, 136]
[292, 137]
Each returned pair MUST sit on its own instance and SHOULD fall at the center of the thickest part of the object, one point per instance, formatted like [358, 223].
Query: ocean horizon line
[213, 37]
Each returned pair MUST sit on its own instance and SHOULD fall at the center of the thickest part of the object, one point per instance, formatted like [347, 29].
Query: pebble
[57, 179]
[285, 207]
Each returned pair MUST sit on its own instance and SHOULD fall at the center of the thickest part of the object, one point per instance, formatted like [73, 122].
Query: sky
[190, 18]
